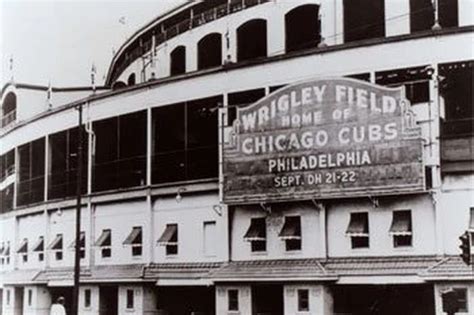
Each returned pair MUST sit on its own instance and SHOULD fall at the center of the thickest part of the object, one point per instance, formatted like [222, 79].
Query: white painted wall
[320, 299]
[8, 234]
[144, 300]
[245, 299]
[380, 219]
[454, 203]
[311, 233]
[40, 302]
[63, 222]
[31, 228]
[121, 218]
[190, 214]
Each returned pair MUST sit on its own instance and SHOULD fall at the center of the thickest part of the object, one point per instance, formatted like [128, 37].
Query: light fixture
[178, 194]
[217, 209]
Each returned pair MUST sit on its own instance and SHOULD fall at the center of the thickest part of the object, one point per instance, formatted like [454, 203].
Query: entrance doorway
[66, 293]
[384, 299]
[18, 301]
[108, 300]
[267, 299]
[186, 300]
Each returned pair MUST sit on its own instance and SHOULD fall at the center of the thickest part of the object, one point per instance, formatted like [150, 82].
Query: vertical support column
[17, 178]
[46, 167]
[465, 9]
[191, 55]
[397, 17]
[327, 12]
[149, 201]
[323, 229]
[338, 34]
[276, 31]
[434, 156]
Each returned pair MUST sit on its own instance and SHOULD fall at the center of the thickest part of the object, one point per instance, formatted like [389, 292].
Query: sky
[57, 41]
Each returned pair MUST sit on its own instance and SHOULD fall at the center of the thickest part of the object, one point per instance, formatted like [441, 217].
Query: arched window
[178, 60]
[252, 40]
[8, 109]
[302, 27]
[210, 51]
[131, 79]
[118, 85]
[363, 19]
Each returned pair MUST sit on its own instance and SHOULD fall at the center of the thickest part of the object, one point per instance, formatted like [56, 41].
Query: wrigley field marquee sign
[324, 138]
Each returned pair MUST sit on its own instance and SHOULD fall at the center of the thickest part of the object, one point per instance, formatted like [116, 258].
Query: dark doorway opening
[178, 60]
[210, 51]
[267, 299]
[384, 299]
[108, 300]
[184, 301]
[252, 40]
[302, 28]
[66, 293]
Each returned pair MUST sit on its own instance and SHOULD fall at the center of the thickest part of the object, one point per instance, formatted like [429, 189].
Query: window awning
[169, 236]
[471, 222]
[6, 252]
[358, 226]
[39, 246]
[291, 230]
[2, 249]
[23, 248]
[256, 231]
[105, 239]
[135, 237]
[82, 241]
[401, 224]
[57, 243]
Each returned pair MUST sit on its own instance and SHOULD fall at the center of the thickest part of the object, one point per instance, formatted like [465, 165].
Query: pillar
[397, 17]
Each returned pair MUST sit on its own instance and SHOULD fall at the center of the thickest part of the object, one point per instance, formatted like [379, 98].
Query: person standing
[58, 307]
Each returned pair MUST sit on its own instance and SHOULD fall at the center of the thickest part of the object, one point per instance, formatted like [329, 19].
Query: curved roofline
[143, 29]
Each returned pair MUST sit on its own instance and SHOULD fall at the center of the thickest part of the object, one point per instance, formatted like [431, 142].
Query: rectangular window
[242, 99]
[421, 15]
[457, 92]
[8, 297]
[169, 239]
[130, 302]
[461, 295]
[233, 300]
[120, 159]
[448, 13]
[291, 233]
[105, 243]
[30, 187]
[30, 297]
[40, 256]
[106, 252]
[358, 230]
[415, 80]
[257, 235]
[401, 228]
[209, 238]
[363, 19]
[24, 258]
[58, 255]
[87, 298]
[303, 300]
[135, 240]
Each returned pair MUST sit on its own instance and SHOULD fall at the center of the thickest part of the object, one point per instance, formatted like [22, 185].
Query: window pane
[130, 301]
[233, 300]
[303, 300]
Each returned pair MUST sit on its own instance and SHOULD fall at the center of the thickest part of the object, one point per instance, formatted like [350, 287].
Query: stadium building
[342, 189]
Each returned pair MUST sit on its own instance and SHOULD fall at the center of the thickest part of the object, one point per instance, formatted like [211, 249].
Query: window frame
[398, 240]
[360, 241]
[303, 299]
[87, 298]
[464, 307]
[130, 299]
[233, 300]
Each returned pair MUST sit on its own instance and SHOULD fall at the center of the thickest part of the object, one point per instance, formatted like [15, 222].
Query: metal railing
[8, 119]
[197, 20]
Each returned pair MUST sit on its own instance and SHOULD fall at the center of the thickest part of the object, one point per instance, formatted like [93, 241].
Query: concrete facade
[213, 254]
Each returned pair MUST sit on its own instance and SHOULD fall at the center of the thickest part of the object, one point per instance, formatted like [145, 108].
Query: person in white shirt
[58, 307]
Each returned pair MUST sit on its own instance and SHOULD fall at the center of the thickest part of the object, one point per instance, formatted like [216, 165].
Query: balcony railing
[184, 26]
[8, 119]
